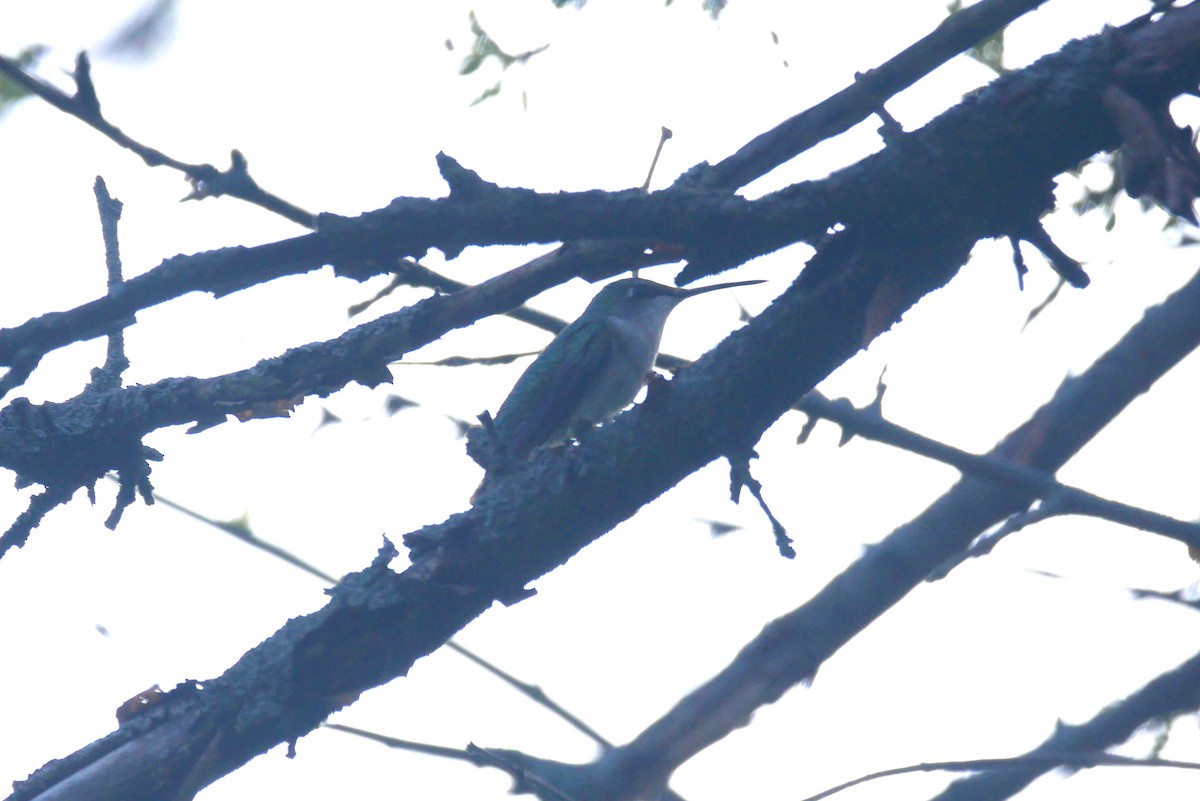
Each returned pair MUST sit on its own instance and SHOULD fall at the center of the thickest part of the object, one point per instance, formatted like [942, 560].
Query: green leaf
[10, 92]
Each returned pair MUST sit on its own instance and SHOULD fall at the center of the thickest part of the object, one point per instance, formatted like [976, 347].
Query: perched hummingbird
[594, 367]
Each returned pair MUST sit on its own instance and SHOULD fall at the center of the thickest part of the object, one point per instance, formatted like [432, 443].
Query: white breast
[635, 344]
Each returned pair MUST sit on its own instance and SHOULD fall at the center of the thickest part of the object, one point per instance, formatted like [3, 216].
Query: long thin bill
[702, 289]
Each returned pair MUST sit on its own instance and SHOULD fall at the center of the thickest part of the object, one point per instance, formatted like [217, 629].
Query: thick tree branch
[222, 272]
[791, 648]
[868, 93]
[23, 347]
[219, 272]
[869, 423]
[69, 445]
[232, 269]
[411, 226]
[988, 166]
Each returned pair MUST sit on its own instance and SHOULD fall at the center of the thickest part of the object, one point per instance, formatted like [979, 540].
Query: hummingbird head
[632, 298]
[635, 299]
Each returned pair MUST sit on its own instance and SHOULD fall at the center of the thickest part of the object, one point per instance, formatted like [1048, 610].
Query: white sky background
[343, 110]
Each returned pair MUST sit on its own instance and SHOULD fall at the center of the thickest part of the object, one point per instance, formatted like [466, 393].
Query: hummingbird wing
[544, 404]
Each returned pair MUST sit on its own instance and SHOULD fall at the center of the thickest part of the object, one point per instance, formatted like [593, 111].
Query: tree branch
[206, 180]
[1176, 691]
[870, 90]
[833, 116]
[1073, 760]
[1009, 161]
[1036, 484]
[791, 648]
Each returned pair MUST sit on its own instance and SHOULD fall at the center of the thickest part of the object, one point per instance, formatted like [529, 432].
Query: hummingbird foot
[574, 466]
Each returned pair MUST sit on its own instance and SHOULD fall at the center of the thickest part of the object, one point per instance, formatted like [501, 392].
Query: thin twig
[115, 363]
[1042, 761]
[409, 745]
[241, 531]
[662, 141]
[206, 180]
[1035, 483]
[532, 691]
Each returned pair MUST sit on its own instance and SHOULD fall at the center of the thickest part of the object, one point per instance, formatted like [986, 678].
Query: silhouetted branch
[893, 188]
[206, 180]
[115, 363]
[847, 108]
[791, 648]
[70, 445]
[412, 746]
[1043, 762]
[1175, 691]
[533, 692]
[869, 424]
[28, 343]
[241, 530]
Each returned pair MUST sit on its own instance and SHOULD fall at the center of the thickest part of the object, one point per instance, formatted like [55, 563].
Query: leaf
[396, 403]
[719, 528]
[490, 92]
[471, 63]
[10, 92]
[328, 418]
[990, 52]
[145, 34]
[484, 47]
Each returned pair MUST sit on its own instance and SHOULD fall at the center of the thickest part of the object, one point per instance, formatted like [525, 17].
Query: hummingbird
[594, 367]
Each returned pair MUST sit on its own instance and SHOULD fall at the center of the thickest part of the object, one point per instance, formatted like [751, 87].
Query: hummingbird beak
[700, 290]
